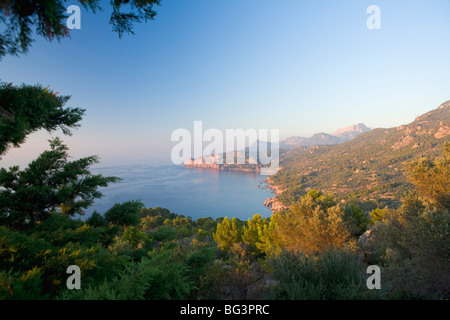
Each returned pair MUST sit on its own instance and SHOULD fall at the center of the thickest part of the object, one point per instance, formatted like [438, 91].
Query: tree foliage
[50, 183]
[332, 275]
[26, 109]
[432, 179]
[309, 227]
[227, 233]
[126, 213]
[47, 18]
[251, 233]
[414, 240]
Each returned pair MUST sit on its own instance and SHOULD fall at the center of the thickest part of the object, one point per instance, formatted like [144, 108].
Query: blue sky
[298, 66]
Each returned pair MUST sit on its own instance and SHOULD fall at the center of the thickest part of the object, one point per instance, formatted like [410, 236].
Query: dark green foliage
[20, 17]
[207, 224]
[40, 253]
[356, 219]
[164, 233]
[130, 284]
[157, 212]
[332, 275]
[133, 236]
[26, 286]
[414, 245]
[161, 275]
[27, 109]
[96, 220]
[126, 213]
[199, 260]
[140, 10]
[33, 262]
[20, 252]
[48, 17]
[59, 230]
[49, 183]
[170, 277]
[414, 240]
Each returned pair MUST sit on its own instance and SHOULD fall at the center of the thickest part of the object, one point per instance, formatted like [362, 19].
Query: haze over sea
[187, 191]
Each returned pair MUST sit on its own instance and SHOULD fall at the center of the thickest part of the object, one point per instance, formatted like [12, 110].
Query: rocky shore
[272, 202]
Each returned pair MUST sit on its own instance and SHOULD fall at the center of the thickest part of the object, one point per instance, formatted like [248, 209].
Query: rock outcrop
[366, 243]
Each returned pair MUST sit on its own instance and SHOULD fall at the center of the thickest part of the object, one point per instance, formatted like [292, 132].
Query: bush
[164, 233]
[331, 275]
[415, 247]
[158, 277]
[127, 213]
[25, 286]
[134, 237]
[309, 227]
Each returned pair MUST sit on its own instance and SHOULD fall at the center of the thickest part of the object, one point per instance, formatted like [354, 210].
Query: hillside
[367, 168]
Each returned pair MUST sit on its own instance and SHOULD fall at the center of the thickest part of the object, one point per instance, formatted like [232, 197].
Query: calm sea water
[188, 191]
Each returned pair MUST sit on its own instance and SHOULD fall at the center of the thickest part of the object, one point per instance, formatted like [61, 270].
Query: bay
[188, 191]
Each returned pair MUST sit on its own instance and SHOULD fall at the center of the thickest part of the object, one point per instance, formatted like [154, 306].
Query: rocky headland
[273, 203]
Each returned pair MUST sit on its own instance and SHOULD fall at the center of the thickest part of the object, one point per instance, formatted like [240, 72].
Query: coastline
[272, 202]
[250, 168]
[192, 192]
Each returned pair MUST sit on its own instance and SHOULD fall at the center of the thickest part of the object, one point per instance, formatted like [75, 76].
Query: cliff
[208, 164]
[273, 203]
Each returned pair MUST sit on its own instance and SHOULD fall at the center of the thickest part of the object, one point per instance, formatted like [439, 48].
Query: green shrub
[331, 275]
[165, 233]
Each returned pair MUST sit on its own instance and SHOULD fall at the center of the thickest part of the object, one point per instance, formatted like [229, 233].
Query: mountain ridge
[339, 136]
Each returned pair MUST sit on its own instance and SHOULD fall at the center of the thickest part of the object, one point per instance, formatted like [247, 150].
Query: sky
[302, 67]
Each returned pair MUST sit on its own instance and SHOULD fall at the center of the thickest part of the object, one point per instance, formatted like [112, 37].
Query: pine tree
[267, 238]
[50, 183]
[227, 233]
[255, 235]
[27, 109]
[125, 214]
[49, 18]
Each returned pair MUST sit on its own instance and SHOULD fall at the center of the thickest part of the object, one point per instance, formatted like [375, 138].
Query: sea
[192, 192]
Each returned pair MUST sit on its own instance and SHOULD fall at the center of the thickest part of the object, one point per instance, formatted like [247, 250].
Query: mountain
[322, 138]
[349, 133]
[368, 167]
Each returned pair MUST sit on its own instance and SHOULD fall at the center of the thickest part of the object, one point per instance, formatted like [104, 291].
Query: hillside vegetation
[318, 248]
[369, 168]
[310, 251]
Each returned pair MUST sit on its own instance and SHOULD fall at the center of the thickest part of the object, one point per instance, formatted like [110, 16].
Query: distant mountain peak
[351, 132]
